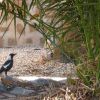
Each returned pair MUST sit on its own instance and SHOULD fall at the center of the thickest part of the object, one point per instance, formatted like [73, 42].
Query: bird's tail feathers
[1, 70]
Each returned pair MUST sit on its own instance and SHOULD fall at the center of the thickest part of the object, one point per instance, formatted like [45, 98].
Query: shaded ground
[37, 89]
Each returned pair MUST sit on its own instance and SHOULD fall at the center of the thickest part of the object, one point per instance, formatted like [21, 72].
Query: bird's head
[12, 54]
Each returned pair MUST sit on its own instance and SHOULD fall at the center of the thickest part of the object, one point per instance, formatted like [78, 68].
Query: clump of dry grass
[62, 94]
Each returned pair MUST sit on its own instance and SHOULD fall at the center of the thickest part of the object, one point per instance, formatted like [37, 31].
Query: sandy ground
[35, 61]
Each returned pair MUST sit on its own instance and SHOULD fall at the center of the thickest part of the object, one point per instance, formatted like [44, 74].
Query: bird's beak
[15, 54]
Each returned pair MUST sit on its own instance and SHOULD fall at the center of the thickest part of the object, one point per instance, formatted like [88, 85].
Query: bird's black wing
[6, 64]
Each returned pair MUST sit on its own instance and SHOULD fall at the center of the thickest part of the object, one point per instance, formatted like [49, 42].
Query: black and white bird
[8, 64]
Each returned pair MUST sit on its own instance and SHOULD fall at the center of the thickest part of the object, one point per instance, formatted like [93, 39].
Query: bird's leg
[6, 73]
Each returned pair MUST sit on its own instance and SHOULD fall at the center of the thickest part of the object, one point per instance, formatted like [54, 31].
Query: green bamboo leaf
[8, 27]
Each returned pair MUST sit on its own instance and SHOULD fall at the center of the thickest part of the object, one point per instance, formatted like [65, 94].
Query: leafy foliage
[74, 24]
